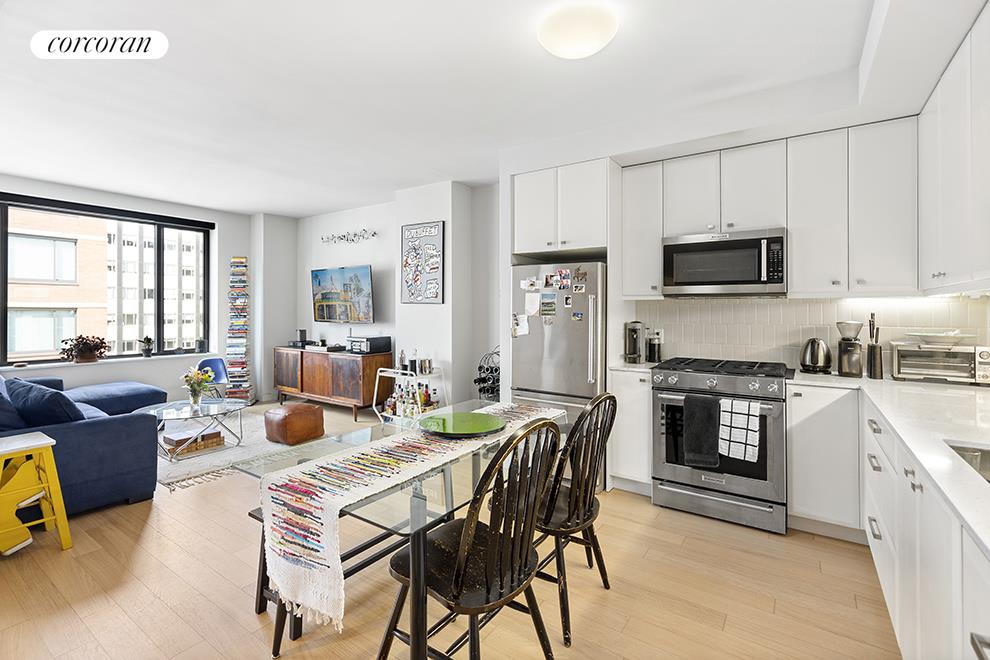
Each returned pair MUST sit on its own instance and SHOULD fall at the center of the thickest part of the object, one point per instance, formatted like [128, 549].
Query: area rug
[213, 464]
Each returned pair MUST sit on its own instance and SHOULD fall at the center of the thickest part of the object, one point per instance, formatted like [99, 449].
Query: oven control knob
[672, 380]
[772, 388]
[712, 382]
[658, 379]
[985, 355]
[755, 385]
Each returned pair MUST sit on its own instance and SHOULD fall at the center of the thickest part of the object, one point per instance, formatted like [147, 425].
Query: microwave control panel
[775, 262]
[982, 363]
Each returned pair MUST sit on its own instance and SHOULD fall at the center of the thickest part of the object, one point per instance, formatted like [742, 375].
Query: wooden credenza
[345, 379]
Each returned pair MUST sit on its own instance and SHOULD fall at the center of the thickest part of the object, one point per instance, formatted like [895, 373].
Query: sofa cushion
[90, 412]
[40, 406]
[118, 398]
[9, 419]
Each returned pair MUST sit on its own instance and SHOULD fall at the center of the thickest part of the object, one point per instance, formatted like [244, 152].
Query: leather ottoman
[293, 423]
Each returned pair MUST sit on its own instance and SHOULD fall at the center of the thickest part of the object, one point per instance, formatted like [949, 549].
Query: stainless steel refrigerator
[558, 350]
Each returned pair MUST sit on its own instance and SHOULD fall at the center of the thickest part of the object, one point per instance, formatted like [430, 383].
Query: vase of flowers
[197, 381]
[84, 348]
[147, 346]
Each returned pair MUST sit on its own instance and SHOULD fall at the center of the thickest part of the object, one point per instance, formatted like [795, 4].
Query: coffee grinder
[635, 344]
[850, 349]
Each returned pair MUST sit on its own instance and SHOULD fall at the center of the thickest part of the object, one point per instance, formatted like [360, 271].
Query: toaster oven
[941, 364]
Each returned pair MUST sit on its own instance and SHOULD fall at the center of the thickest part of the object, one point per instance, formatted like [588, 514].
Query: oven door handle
[767, 409]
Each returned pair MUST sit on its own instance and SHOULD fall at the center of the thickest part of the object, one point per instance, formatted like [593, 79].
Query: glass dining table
[404, 513]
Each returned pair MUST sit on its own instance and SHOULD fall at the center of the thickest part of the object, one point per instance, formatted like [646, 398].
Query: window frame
[160, 222]
[54, 240]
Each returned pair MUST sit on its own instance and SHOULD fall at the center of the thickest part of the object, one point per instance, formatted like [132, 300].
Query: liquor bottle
[403, 365]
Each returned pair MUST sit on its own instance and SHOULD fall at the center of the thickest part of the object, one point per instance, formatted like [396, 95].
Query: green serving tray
[462, 424]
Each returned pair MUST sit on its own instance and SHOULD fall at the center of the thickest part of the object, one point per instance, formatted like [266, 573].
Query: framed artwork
[422, 263]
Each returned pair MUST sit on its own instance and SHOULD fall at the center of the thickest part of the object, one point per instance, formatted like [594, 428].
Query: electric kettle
[816, 357]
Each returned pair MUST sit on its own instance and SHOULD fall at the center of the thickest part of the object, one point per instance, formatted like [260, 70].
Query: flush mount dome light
[578, 30]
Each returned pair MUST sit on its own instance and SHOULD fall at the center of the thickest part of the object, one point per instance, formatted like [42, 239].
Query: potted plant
[84, 349]
[197, 381]
[147, 346]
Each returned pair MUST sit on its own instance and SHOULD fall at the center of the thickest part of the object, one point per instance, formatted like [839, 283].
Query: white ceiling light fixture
[578, 30]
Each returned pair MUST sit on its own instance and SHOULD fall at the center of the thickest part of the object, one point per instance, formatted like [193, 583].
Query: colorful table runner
[302, 504]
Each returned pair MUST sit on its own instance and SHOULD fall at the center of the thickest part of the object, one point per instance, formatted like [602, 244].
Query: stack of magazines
[238, 333]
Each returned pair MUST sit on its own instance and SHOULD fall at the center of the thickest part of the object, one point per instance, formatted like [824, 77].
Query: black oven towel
[701, 419]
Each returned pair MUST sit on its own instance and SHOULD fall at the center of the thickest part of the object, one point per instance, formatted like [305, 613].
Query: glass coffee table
[211, 415]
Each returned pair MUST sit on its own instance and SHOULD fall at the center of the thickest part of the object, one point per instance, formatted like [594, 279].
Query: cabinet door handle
[654, 287]
[643, 380]
[981, 644]
[730, 225]
[711, 227]
[872, 423]
[874, 462]
[908, 472]
[860, 281]
[563, 242]
[916, 487]
[836, 282]
[797, 395]
[874, 528]
[550, 243]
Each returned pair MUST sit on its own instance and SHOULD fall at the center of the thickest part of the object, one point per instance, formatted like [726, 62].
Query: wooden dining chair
[570, 507]
[476, 569]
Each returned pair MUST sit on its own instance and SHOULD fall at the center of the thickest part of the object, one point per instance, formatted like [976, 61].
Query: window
[41, 258]
[122, 275]
[38, 333]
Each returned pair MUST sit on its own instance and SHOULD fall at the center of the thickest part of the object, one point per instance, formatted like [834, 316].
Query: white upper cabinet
[582, 205]
[929, 234]
[754, 186]
[823, 470]
[561, 208]
[883, 208]
[817, 214]
[691, 203]
[980, 76]
[642, 229]
[534, 211]
[954, 145]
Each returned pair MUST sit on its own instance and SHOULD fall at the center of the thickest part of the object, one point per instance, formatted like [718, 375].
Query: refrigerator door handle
[592, 323]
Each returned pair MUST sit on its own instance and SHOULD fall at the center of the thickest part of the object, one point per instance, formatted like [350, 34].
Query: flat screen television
[343, 295]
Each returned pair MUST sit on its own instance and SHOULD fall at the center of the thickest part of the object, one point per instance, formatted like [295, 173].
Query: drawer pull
[796, 395]
[916, 487]
[872, 423]
[874, 462]
[981, 644]
[908, 472]
[874, 528]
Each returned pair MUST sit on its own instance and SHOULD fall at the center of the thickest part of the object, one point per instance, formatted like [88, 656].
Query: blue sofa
[108, 456]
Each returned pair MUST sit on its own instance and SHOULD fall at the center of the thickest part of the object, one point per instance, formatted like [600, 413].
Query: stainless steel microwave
[738, 263]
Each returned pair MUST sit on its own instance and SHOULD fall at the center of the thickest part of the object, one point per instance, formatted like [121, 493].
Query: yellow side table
[29, 477]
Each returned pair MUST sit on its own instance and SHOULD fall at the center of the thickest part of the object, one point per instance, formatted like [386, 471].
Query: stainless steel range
[749, 488]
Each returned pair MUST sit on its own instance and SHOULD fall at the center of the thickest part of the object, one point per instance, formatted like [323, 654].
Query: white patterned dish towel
[739, 429]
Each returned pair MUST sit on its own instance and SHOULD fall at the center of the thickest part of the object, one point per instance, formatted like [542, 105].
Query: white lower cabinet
[915, 542]
[975, 599]
[823, 454]
[630, 443]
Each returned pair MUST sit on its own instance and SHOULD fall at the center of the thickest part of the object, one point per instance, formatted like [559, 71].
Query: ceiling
[316, 105]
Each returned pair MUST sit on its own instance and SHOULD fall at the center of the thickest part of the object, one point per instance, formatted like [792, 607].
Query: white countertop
[625, 366]
[925, 416]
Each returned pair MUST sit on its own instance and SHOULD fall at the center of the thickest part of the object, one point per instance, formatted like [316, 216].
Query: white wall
[230, 238]
[380, 252]
[485, 267]
[273, 276]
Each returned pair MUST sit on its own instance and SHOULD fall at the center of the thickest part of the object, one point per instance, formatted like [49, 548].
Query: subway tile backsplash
[776, 329]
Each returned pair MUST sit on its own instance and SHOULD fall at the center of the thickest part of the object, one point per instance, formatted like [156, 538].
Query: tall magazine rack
[238, 333]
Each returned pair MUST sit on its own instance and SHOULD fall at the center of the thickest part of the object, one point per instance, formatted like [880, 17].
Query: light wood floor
[173, 578]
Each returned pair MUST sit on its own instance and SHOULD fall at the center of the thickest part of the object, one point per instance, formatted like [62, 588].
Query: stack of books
[238, 333]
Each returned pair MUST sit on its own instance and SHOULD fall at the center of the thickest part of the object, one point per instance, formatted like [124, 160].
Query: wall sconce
[349, 237]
